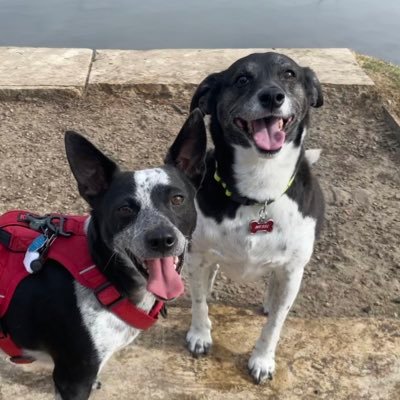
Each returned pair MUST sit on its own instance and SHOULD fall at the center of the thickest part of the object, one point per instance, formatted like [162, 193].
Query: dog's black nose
[272, 97]
[161, 239]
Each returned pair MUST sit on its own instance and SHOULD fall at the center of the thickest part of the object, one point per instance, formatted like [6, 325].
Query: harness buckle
[107, 295]
[52, 222]
[56, 223]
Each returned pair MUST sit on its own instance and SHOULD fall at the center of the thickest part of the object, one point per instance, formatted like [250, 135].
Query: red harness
[72, 252]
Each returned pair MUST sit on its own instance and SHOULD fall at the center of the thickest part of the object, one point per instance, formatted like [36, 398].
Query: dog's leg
[74, 380]
[269, 294]
[213, 275]
[286, 286]
[198, 337]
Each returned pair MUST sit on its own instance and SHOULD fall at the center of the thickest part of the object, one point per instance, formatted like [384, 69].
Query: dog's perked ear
[313, 87]
[91, 168]
[202, 97]
[188, 151]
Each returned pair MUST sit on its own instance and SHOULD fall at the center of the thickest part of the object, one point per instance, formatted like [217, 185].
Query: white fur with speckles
[108, 333]
[147, 179]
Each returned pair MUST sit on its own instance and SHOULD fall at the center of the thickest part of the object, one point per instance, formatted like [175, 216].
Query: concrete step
[325, 358]
[189, 67]
[48, 72]
[42, 71]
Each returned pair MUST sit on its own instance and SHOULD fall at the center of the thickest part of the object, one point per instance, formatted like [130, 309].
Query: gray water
[368, 26]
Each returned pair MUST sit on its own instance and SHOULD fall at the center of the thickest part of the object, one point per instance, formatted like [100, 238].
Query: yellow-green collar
[245, 200]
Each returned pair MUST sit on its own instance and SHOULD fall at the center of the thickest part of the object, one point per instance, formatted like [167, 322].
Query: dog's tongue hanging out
[268, 134]
[164, 281]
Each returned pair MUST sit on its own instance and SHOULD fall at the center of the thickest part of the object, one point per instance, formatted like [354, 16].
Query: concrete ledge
[26, 71]
[187, 68]
[48, 72]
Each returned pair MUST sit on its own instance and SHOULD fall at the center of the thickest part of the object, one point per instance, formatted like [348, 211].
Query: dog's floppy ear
[188, 151]
[313, 87]
[203, 95]
[91, 168]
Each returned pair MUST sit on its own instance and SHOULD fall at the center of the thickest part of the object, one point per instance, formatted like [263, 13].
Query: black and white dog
[259, 206]
[136, 218]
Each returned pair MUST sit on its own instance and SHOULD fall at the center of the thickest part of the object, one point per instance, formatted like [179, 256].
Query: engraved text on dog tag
[261, 226]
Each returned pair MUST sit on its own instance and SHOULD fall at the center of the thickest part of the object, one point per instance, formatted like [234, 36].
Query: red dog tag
[261, 226]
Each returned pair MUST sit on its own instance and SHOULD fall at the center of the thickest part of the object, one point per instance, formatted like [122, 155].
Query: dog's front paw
[199, 341]
[261, 368]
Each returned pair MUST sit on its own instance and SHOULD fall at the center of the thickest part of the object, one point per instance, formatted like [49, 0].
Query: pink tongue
[163, 280]
[267, 134]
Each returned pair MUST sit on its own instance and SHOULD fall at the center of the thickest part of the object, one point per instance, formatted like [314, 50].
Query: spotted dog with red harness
[97, 281]
[259, 206]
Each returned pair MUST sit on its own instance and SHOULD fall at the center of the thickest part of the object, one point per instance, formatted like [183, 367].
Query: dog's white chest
[108, 333]
[246, 256]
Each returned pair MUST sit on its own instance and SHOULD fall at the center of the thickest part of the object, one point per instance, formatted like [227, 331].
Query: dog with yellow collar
[259, 206]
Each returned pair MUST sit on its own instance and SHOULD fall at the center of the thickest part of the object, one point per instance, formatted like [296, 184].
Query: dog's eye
[289, 74]
[177, 200]
[125, 211]
[242, 81]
